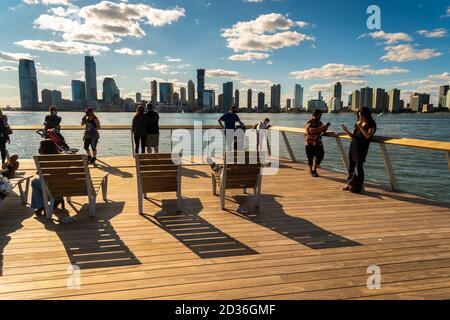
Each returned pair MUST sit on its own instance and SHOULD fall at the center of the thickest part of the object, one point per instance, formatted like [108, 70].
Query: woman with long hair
[361, 136]
[5, 131]
[91, 135]
[139, 129]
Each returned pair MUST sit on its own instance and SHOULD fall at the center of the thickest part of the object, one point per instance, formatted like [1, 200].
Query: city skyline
[409, 56]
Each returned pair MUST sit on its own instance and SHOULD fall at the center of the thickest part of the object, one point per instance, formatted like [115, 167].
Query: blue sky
[253, 44]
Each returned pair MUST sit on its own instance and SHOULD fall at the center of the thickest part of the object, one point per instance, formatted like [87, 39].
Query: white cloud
[389, 38]
[48, 2]
[436, 33]
[171, 59]
[447, 13]
[327, 87]
[406, 52]
[249, 56]
[159, 67]
[7, 86]
[52, 72]
[69, 47]
[267, 32]
[14, 57]
[256, 82]
[218, 73]
[335, 70]
[7, 68]
[130, 52]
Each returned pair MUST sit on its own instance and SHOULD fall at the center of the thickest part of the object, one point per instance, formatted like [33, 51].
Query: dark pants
[359, 166]
[314, 151]
[139, 140]
[3, 148]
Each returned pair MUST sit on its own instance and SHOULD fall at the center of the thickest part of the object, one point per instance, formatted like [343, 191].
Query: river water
[418, 171]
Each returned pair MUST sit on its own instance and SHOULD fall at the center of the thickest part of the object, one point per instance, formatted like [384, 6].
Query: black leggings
[3, 148]
[359, 166]
[314, 151]
[139, 141]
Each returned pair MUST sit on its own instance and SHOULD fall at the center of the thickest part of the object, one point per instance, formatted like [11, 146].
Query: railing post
[288, 146]
[268, 145]
[171, 142]
[448, 159]
[342, 152]
[132, 142]
[389, 168]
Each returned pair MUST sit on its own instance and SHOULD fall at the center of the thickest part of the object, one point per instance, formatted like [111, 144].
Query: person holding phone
[361, 136]
[91, 135]
[313, 143]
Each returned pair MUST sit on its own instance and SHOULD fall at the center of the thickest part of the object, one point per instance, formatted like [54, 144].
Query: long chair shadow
[92, 242]
[272, 216]
[197, 234]
[9, 223]
[115, 171]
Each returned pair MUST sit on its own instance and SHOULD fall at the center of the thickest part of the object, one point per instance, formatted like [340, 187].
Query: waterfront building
[315, 104]
[138, 97]
[443, 90]
[154, 92]
[366, 98]
[227, 96]
[275, 98]
[379, 102]
[298, 94]
[200, 87]
[418, 100]
[288, 104]
[90, 73]
[47, 98]
[337, 91]
[335, 105]
[183, 99]
[57, 98]
[249, 99]
[28, 85]
[191, 94]
[395, 104]
[176, 98]
[78, 90]
[355, 100]
[111, 92]
[236, 98]
[166, 93]
[209, 100]
[261, 101]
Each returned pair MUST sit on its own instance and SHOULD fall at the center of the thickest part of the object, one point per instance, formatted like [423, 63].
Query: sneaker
[93, 160]
[89, 159]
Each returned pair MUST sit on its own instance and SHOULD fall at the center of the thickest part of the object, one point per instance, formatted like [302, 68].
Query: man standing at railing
[228, 122]
[313, 144]
[152, 139]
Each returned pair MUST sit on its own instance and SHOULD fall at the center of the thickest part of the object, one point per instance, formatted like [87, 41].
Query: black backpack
[355, 184]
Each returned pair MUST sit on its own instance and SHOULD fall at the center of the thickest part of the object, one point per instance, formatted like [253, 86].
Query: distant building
[166, 93]
[335, 105]
[90, 73]
[57, 98]
[249, 99]
[338, 91]
[261, 101]
[227, 96]
[138, 97]
[443, 91]
[394, 101]
[47, 98]
[111, 93]
[183, 99]
[78, 90]
[275, 98]
[176, 98]
[288, 104]
[355, 100]
[366, 98]
[28, 85]
[298, 94]
[154, 92]
[379, 101]
[236, 98]
[316, 104]
[191, 94]
[201, 87]
[220, 102]
[418, 100]
[447, 100]
[209, 100]
[319, 96]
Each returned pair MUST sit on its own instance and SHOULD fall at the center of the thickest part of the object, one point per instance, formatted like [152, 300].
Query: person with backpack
[361, 136]
[5, 132]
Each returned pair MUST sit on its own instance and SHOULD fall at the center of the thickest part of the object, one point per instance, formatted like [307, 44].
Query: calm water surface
[418, 171]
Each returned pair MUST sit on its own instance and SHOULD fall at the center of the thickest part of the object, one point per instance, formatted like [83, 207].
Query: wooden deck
[309, 240]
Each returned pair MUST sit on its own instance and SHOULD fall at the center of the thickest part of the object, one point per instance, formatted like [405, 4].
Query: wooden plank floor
[309, 240]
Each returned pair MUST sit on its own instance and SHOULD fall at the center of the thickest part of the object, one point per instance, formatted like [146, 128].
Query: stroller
[58, 139]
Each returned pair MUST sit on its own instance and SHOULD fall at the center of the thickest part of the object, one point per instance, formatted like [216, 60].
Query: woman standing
[91, 135]
[139, 129]
[361, 136]
[5, 131]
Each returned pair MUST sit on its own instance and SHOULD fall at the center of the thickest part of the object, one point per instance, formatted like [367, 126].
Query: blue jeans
[37, 200]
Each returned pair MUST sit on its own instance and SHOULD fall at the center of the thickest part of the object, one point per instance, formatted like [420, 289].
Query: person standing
[361, 136]
[228, 122]
[261, 129]
[91, 134]
[5, 132]
[313, 142]
[52, 120]
[139, 129]
[152, 129]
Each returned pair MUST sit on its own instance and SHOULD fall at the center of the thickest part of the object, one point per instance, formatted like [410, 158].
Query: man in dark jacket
[152, 139]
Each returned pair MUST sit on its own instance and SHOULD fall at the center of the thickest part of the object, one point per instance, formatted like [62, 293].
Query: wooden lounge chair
[157, 173]
[19, 182]
[239, 175]
[68, 176]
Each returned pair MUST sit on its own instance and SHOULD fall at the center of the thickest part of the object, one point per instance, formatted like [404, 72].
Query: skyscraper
[298, 96]
[47, 98]
[166, 93]
[201, 87]
[417, 100]
[249, 99]
[176, 98]
[90, 73]
[236, 98]
[275, 98]
[78, 90]
[56, 98]
[183, 95]
[138, 97]
[338, 91]
[111, 92]
[227, 96]
[443, 90]
[447, 100]
[261, 101]
[191, 94]
[355, 100]
[209, 100]
[154, 92]
[28, 84]
[288, 104]
[220, 102]
[379, 100]
[366, 97]
[394, 101]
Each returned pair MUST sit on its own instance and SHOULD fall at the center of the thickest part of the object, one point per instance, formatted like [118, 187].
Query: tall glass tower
[28, 84]
[90, 72]
[200, 86]
[78, 90]
[227, 96]
[298, 96]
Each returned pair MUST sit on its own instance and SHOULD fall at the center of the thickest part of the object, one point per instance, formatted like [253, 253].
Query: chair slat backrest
[64, 175]
[157, 172]
[244, 171]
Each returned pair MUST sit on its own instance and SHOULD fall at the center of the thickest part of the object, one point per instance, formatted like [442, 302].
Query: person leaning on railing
[313, 144]
[152, 139]
[361, 136]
